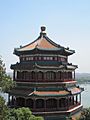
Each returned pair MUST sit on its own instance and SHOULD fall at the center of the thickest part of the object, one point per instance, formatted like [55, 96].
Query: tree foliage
[6, 113]
[6, 82]
[3, 109]
[21, 114]
[85, 114]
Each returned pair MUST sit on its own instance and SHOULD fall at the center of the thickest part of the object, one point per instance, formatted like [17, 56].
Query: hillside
[83, 77]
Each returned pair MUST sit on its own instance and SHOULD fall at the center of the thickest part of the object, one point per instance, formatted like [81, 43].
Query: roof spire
[43, 28]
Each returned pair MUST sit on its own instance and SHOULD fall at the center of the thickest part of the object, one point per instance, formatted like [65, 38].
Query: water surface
[86, 95]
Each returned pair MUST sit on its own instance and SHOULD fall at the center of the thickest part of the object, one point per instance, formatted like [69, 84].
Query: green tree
[39, 118]
[6, 83]
[85, 114]
[3, 109]
[10, 114]
[21, 114]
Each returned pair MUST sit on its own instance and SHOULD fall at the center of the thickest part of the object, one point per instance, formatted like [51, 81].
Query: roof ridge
[52, 42]
[31, 42]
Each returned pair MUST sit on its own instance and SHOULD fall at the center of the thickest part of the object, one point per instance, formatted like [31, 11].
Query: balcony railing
[55, 109]
[44, 80]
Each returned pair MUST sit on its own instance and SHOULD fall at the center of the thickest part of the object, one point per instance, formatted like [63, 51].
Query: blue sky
[67, 22]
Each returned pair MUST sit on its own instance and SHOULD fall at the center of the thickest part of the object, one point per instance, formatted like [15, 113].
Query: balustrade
[61, 104]
[43, 80]
[49, 76]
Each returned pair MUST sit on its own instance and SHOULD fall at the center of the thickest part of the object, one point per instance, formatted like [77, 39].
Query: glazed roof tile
[43, 43]
[51, 93]
[32, 65]
[20, 92]
[74, 90]
[30, 92]
[71, 67]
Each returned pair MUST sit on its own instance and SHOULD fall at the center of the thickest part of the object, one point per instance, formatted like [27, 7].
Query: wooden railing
[45, 109]
[54, 109]
[44, 80]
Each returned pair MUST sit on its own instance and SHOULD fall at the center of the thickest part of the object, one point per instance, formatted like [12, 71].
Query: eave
[50, 93]
[29, 93]
[58, 51]
[50, 65]
[74, 90]
[71, 67]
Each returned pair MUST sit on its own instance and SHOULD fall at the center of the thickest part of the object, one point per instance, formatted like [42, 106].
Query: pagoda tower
[45, 80]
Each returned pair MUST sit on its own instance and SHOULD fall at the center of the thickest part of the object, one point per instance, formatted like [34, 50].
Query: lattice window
[50, 75]
[40, 75]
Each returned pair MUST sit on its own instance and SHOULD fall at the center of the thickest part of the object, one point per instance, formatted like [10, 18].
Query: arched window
[50, 75]
[32, 75]
[29, 75]
[23, 75]
[62, 75]
[65, 75]
[26, 75]
[70, 75]
[40, 75]
[53, 75]
[18, 75]
[59, 75]
[51, 103]
[20, 101]
[29, 103]
[62, 102]
[39, 103]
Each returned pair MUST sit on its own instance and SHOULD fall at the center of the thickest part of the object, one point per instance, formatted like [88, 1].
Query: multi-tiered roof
[45, 79]
[43, 45]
